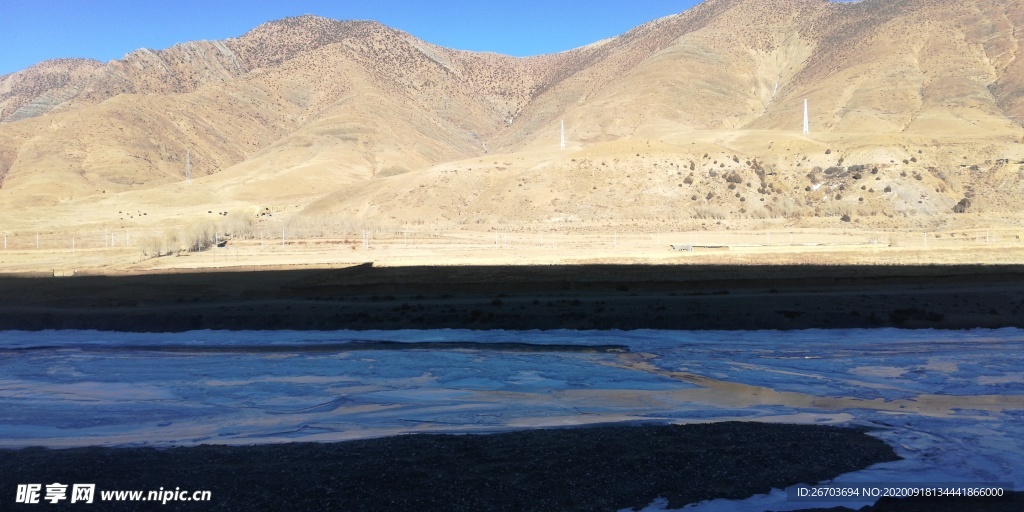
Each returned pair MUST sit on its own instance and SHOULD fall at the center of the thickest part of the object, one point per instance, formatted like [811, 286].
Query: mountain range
[314, 116]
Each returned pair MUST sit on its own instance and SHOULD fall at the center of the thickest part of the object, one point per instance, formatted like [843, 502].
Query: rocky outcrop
[40, 88]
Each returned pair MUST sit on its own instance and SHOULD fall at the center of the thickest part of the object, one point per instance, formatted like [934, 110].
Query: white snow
[950, 402]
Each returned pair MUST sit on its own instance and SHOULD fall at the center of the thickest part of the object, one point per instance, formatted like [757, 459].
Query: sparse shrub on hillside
[962, 206]
[709, 212]
[786, 208]
[688, 180]
[838, 209]
[734, 178]
[815, 175]
[758, 213]
[761, 174]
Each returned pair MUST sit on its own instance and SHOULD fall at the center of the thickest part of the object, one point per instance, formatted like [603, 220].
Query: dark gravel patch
[594, 468]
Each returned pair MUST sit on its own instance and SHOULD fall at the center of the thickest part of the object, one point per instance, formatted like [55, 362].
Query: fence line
[144, 239]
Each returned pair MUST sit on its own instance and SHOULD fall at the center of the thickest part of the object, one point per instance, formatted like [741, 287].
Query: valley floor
[684, 290]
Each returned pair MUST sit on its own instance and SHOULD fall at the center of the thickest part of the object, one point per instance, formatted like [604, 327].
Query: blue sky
[35, 30]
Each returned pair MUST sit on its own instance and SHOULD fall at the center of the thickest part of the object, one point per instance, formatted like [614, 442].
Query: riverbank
[594, 468]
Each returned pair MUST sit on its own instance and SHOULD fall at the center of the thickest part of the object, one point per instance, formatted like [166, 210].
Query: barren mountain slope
[910, 90]
[693, 116]
[587, 85]
[181, 68]
[41, 88]
[918, 66]
[306, 106]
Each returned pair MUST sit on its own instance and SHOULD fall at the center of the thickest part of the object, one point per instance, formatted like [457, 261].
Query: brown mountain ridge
[319, 117]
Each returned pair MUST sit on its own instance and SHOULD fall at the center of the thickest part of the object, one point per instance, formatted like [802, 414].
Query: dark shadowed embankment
[696, 297]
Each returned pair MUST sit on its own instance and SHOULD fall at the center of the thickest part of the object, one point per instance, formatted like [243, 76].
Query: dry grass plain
[525, 279]
[92, 253]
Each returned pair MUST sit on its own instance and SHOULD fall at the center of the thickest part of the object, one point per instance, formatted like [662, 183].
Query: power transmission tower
[807, 126]
[188, 166]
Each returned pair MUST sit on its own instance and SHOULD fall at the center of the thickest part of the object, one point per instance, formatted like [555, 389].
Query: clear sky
[36, 30]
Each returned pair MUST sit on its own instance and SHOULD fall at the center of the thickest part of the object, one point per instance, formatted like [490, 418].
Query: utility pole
[188, 166]
[562, 146]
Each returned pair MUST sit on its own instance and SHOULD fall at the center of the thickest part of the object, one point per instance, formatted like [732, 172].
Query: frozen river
[950, 402]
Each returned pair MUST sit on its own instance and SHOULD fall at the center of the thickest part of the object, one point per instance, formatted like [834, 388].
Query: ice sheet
[950, 402]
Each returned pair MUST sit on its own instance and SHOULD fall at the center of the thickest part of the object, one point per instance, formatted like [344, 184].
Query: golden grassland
[130, 251]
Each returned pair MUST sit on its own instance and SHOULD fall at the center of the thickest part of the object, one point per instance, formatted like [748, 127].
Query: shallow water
[951, 402]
